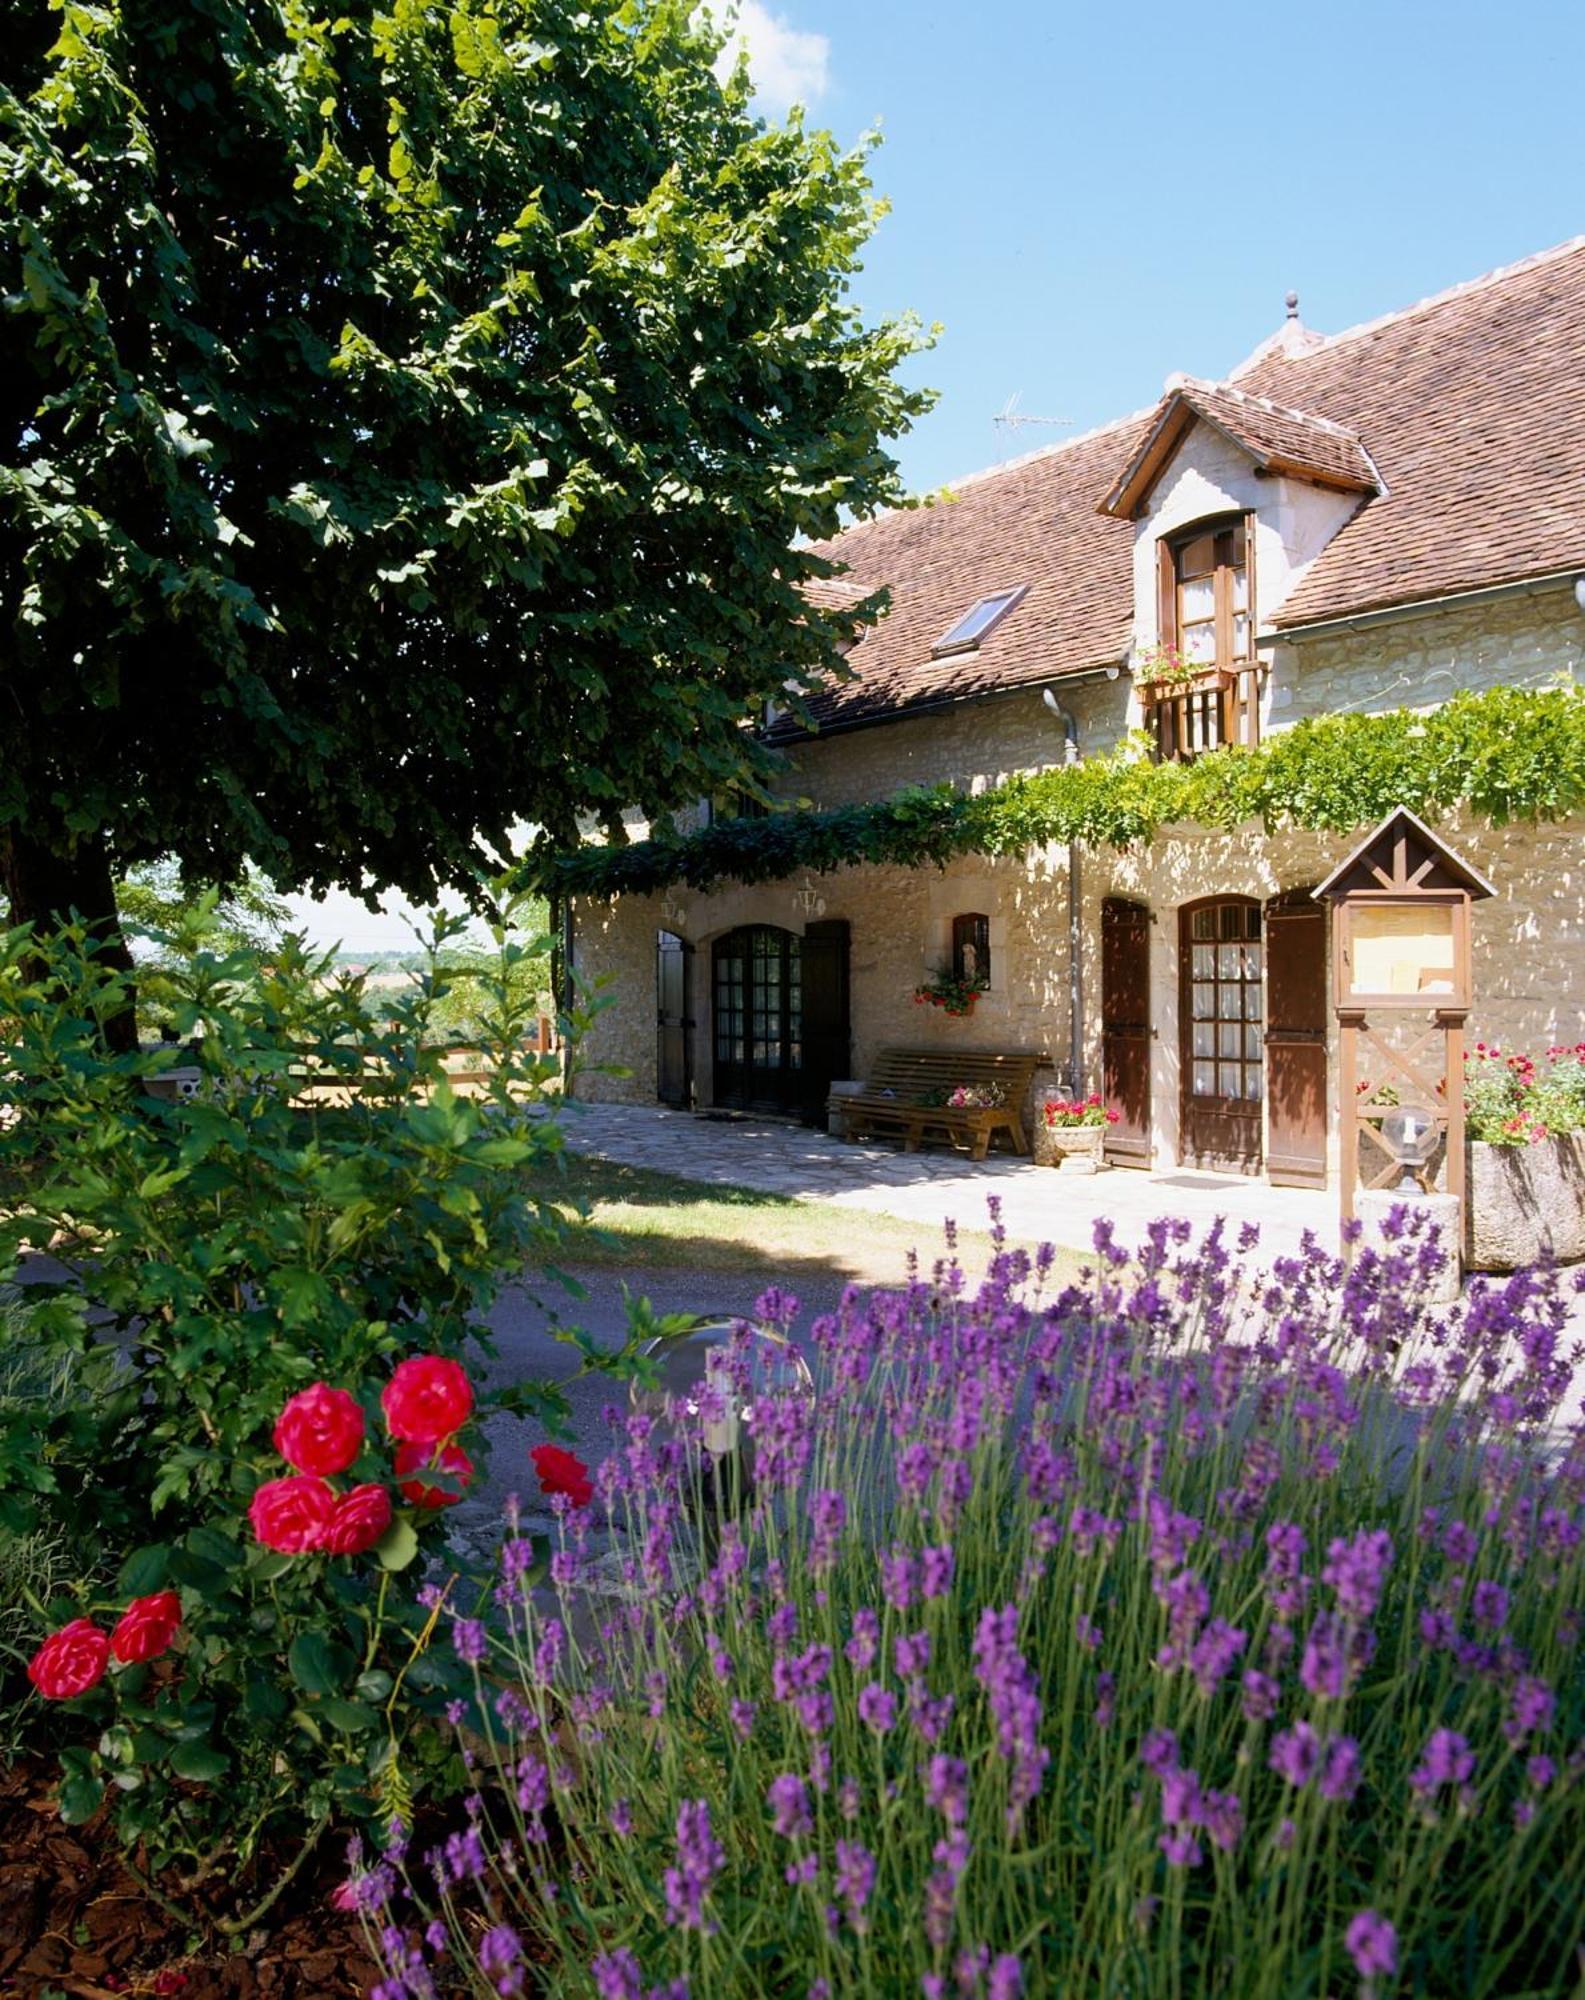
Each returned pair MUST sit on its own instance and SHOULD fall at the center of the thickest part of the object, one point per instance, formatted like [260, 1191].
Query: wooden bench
[891, 1102]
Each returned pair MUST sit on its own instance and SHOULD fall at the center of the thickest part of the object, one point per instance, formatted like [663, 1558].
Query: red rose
[358, 1521]
[70, 1661]
[146, 1627]
[291, 1515]
[562, 1472]
[320, 1430]
[450, 1459]
[427, 1399]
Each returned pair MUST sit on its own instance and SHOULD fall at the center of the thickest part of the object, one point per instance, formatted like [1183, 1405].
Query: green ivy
[1506, 754]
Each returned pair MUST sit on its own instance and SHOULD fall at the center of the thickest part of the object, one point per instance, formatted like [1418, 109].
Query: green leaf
[80, 1798]
[201, 1762]
[353, 1718]
[318, 1665]
[397, 1547]
[145, 1570]
[375, 1685]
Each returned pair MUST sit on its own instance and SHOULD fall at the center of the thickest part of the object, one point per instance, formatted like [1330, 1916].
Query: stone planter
[1072, 1149]
[1526, 1202]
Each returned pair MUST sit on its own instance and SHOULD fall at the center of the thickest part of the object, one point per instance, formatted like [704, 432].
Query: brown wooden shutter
[1125, 1029]
[1166, 595]
[827, 1054]
[1296, 1029]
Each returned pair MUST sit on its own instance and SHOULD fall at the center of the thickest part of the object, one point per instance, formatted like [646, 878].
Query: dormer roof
[1277, 439]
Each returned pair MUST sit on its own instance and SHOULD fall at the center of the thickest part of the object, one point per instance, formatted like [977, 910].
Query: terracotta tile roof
[1463, 414]
[1471, 405]
[1031, 522]
[1278, 440]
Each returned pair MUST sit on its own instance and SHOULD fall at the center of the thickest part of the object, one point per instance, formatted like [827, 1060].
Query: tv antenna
[1010, 418]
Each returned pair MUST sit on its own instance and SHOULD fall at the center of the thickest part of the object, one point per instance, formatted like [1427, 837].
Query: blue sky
[1092, 197]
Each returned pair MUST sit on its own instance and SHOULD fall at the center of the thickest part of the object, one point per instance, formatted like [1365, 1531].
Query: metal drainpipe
[1070, 731]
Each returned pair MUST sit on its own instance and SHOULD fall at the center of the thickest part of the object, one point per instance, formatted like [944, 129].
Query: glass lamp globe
[1411, 1136]
[740, 1368]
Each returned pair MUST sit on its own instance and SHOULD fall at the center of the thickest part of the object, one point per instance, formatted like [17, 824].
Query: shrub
[318, 1208]
[1176, 1634]
[1510, 1100]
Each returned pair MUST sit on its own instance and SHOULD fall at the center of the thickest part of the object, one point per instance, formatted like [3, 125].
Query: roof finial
[1293, 305]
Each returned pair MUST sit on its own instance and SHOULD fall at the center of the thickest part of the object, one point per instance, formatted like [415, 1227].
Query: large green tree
[413, 418]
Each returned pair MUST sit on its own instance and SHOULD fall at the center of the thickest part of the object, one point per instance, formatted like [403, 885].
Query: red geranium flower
[70, 1661]
[357, 1521]
[450, 1459]
[427, 1399]
[562, 1472]
[320, 1430]
[146, 1627]
[291, 1515]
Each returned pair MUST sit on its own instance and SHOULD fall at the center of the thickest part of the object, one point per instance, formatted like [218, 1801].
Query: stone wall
[1529, 940]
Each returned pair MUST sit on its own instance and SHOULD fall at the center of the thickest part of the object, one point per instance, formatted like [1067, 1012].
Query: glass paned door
[1222, 1005]
[758, 1018]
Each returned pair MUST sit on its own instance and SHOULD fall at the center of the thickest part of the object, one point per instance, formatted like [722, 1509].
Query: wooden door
[1296, 1028]
[1221, 1012]
[757, 1019]
[1125, 1029]
[674, 1025]
[827, 1052]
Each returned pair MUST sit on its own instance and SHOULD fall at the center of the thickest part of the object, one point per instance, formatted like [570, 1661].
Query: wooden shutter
[1166, 594]
[1125, 1029]
[827, 1054]
[1296, 1029]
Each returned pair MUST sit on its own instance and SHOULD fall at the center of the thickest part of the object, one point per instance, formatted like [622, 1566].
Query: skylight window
[979, 622]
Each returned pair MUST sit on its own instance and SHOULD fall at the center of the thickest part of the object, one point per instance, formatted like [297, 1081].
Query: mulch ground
[73, 1922]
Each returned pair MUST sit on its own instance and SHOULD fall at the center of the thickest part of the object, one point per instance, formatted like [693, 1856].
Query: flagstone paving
[1039, 1204]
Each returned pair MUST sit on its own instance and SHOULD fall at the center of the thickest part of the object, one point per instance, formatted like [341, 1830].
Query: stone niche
[1526, 1203]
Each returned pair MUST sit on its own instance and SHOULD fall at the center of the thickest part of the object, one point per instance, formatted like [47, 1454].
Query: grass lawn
[657, 1221]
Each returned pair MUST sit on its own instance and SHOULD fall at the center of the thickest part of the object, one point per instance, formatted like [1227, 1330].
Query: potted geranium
[952, 992]
[1162, 672]
[1071, 1132]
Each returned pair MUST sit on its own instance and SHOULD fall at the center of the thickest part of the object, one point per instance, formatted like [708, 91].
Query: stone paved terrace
[1039, 1204]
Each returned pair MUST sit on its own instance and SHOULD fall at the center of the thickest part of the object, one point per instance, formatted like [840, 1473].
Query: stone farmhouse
[1361, 522]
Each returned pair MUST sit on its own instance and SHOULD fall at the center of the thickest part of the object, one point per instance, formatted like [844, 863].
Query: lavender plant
[1191, 1629]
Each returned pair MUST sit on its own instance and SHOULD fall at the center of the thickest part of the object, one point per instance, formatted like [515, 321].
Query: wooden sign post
[1400, 948]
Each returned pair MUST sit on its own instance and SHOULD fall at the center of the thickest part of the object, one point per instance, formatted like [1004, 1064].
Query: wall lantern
[1401, 947]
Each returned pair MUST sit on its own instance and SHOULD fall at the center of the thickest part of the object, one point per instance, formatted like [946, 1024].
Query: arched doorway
[1221, 1013]
[779, 1017]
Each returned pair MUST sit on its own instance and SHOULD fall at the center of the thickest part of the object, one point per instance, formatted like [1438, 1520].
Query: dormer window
[1205, 595]
[978, 622]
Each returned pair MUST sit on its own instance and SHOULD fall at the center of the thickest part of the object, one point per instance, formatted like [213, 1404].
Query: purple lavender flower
[1005, 1980]
[866, 1639]
[1534, 1705]
[1446, 1760]
[1372, 1944]
[500, 1955]
[855, 1878]
[1341, 1773]
[877, 1708]
[897, 1578]
[468, 1640]
[1324, 1667]
[829, 1512]
[621, 1817]
[1490, 1605]
[743, 1714]
[1159, 1752]
[788, 1799]
[617, 1976]
[1296, 1754]
[935, 1571]
[1260, 1695]
[947, 1787]
[1015, 1704]
[1357, 1571]
[699, 1860]
[1181, 1849]
[1212, 1655]
[911, 1654]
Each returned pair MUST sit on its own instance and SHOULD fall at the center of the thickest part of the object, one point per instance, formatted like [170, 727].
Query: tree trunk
[43, 887]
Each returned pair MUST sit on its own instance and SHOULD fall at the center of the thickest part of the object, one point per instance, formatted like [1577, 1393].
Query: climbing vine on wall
[1506, 754]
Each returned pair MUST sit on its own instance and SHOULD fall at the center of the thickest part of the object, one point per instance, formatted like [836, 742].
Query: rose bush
[239, 1272]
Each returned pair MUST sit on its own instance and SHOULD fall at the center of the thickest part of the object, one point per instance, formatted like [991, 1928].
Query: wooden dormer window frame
[1205, 585]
